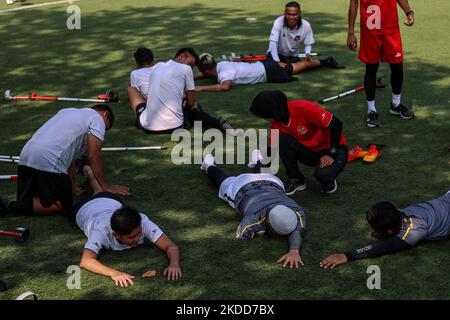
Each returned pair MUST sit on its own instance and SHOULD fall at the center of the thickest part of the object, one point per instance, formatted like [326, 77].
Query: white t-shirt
[288, 40]
[168, 82]
[241, 72]
[94, 219]
[139, 79]
[231, 185]
[62, 139]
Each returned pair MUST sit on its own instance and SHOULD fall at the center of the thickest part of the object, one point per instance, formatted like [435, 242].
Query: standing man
[380, 41]
[288, 33]
[46, 179]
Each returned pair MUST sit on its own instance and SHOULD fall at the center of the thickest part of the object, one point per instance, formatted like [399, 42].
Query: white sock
[396, 99]
[371, 106]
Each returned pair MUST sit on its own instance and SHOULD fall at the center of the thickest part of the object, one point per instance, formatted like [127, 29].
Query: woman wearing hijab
[308, 134]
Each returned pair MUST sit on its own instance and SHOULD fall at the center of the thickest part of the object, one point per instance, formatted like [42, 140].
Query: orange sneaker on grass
[373, 154]
[356, 153]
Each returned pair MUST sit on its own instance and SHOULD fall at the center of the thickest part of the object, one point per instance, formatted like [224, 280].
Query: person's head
[293, 15]
[187, 56]
[126, 226]
[144, 57]
[107, 114]
[271, 105]
[207, 65]
[385, 219]
[282, 220]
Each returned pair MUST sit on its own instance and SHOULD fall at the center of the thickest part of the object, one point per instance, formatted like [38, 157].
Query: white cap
[282, 219]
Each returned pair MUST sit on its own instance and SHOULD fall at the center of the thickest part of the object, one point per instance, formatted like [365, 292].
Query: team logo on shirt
[324, 115]
[302, 130]
[297, 38]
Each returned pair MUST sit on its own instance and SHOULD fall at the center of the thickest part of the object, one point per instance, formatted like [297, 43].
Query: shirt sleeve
[273, 48]
[249, 226]
[388, 246]
[133, 81]
[150, 229]
[190, 84]
[309, 38]
[97, 127]
[225, 73]
[276, 30]
[413, 232]
[316, 114]
[96, 241]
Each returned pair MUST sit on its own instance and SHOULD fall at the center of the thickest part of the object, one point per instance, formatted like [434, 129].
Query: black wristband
[410, 13]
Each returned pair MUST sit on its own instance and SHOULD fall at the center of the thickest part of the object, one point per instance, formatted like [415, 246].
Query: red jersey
[379, 16]
[308, 124]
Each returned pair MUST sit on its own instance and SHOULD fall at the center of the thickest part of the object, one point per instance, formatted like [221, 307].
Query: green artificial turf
[39, 54]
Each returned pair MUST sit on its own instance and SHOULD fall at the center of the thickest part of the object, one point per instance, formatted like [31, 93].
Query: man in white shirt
[171, 102]
[46, 172]
[110, 224]
[232, 73]
[288, 33]
[140, 77]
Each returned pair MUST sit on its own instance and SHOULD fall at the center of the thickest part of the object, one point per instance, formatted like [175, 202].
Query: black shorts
[72, 212]
[277, 74]
[50, 187]
[139, 109]
[285, 59]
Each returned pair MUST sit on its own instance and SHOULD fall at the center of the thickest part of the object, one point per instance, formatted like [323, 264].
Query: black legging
[370, 79]
[197, 114]
[217, 176]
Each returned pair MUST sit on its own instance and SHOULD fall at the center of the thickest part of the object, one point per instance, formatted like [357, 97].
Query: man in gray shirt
[401, 228]
[261, 200]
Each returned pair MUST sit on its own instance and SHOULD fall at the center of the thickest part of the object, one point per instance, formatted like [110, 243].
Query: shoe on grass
[372, 120]
[330, 187]
[373, 154]
[402, 112]
[356, 153]
[294, 185]
[207, 162]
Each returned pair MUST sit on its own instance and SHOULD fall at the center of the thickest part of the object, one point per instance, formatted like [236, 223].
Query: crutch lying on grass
[380, 84]
[109, 96]
[8, 177]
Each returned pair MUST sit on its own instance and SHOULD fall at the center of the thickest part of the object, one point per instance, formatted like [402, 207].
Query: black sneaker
[330, 187]
[294, 185]
[372, 119]
[226, 126]
[332, 63]
[402, 111]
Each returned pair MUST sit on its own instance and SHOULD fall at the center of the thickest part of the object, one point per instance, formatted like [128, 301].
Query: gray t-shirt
[94, 219]
[429, 220]
[62, 139]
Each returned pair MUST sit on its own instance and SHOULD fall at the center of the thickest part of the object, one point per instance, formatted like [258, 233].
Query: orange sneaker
[373, 154]
[356, 153]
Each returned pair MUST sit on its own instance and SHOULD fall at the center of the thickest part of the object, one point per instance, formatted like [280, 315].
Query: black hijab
[271, 104]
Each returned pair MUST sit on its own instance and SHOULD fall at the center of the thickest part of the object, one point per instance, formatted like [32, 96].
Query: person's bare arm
[173, 271]
[224, 86]
[191, 99]
[94, 149]
[352, 42]
[77, 191]
[89, 262]
[404, 4]
[198, 76]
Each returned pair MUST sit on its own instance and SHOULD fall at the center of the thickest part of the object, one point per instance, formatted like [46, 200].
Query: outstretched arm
[89, 262]
[388, 246]
[173, 271]
[224, 86]
[292, 258]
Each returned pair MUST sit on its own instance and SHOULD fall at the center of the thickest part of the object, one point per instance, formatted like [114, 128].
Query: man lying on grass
[401, 229]
[110, 224]
[261, 200]
[228, 73]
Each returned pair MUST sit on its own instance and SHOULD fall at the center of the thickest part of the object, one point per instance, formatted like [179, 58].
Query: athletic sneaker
[330, 187]
[294, 185]
[256, 157]
[207, 162]
[332, 63]
[372, 119]
[226, 126]
[402, 111]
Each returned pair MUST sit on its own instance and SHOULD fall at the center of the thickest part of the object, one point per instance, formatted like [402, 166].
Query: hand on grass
[333, 261]
[326, 161]
[122, 279]
[172, 272]
[292, 258]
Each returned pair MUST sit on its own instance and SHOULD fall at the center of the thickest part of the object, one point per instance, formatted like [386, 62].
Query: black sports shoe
[402, 111]
[293, 185]
[330, 187]
[332, 63]
[372, 119]
[226, 126]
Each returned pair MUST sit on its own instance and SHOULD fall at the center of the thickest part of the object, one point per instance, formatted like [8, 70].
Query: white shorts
[231, 186]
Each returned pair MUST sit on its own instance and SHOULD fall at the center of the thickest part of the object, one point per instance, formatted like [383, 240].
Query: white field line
[37, 5]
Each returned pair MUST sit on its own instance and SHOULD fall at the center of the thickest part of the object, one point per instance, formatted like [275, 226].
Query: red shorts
[380, 47]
